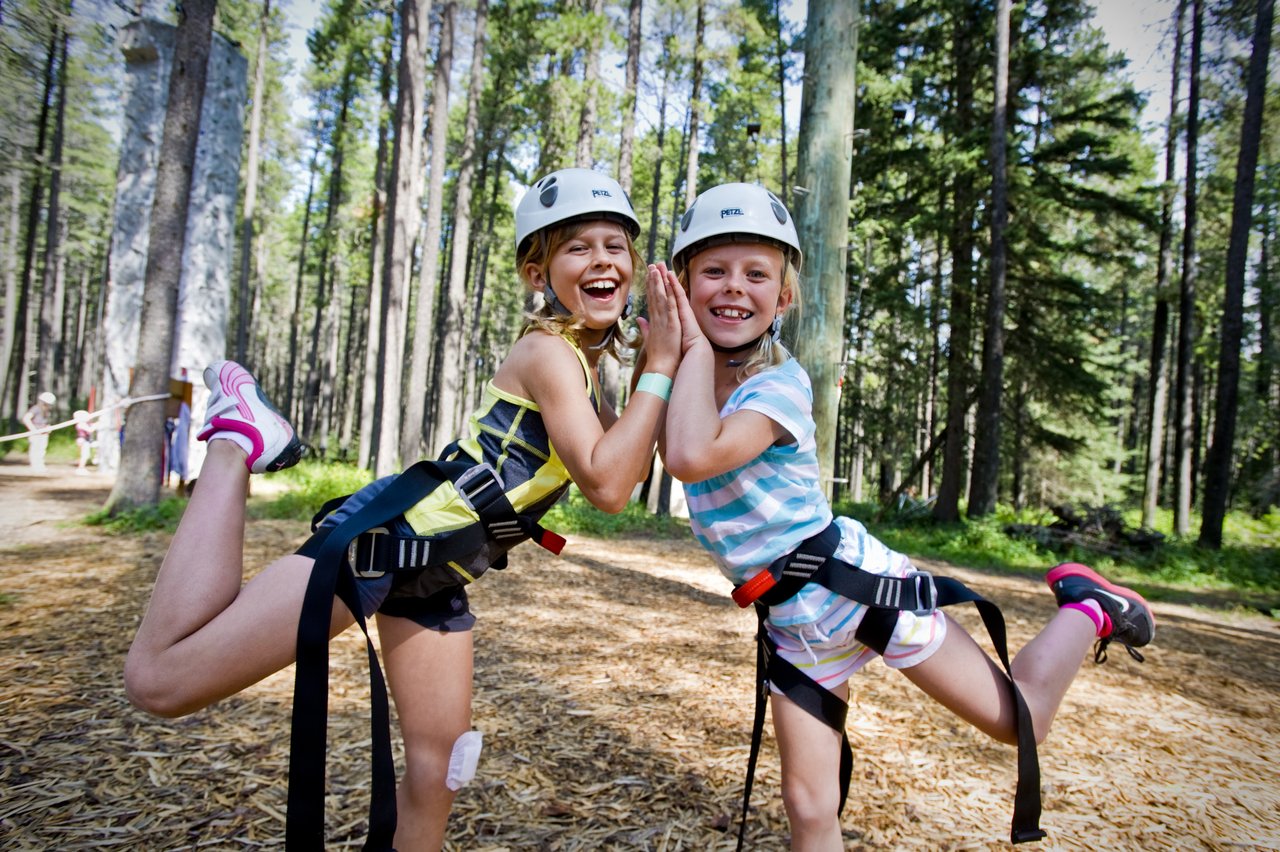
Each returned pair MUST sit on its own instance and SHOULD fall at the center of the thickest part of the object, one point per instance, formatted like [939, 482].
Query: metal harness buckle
[926, 592]
[368, 571]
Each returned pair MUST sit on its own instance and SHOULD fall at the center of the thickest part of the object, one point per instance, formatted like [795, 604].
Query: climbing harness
[918, 592]
[363, 545]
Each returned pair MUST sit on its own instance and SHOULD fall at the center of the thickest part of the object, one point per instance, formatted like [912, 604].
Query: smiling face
[736, 290]
[590, 273]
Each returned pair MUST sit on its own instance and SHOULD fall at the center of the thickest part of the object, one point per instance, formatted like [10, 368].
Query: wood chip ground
[614, 689]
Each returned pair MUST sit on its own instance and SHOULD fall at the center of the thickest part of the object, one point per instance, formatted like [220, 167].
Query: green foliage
[1247, 566]
[575, 514]
[162, 517]
[307, 487]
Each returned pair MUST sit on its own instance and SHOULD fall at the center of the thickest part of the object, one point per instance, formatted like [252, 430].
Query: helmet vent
[779, 212]
[686, 219]
[548, 196]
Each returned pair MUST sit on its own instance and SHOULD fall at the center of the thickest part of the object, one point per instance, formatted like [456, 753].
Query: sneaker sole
[1075, 569]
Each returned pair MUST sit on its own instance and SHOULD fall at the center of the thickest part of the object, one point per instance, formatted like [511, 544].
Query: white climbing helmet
[735, 212]
[573, 194]
[47, 398]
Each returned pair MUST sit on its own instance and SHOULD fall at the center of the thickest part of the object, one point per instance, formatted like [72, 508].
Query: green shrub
[163, 516]
[308, 486]
[575, 514]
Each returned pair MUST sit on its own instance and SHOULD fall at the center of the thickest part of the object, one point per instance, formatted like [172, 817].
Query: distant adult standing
[36, 418]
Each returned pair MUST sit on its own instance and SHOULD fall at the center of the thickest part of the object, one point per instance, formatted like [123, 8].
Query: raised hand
[662, 331]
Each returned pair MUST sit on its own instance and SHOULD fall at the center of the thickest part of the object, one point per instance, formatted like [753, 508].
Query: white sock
[241, 441]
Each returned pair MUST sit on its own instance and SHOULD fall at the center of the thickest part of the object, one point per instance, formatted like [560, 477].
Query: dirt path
[614, 691]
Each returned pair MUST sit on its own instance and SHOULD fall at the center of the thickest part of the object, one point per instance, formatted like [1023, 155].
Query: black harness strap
[333, 576]
[884, 597]
[816, 700]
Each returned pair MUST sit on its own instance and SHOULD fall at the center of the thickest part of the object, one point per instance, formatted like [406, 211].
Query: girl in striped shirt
[739, 432]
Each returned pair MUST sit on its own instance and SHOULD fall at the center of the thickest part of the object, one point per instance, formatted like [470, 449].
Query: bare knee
[811, 808]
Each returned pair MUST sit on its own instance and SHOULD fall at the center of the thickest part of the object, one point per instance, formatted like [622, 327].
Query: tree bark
[251, 186]
[824, 169]
[1159, 394]
[695, 92]
[584, 156]
[402, 224]
[377, 229]
[49, 338]
[984, 488]
[947, 508]
[452, 366]
[413, 428]
[1217, 468]
[635, 15]
[1185, 414]
[138, 479]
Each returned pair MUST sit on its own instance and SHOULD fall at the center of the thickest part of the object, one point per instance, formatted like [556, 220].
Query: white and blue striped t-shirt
[750, 516]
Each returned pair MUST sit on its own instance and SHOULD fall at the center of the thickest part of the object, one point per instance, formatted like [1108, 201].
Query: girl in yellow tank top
[204, 637]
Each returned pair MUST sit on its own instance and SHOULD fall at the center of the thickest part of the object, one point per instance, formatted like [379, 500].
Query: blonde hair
[766, 353]
[539, 248]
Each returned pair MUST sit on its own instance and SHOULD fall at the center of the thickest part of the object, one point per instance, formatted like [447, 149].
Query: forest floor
[614, 690]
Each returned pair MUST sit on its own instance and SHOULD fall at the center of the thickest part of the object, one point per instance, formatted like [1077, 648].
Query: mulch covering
[614, 689]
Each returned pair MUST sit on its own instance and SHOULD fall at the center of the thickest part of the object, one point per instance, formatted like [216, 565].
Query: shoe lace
[1100, 651]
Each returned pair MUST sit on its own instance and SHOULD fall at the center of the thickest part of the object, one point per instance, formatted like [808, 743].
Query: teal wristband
[656, 384]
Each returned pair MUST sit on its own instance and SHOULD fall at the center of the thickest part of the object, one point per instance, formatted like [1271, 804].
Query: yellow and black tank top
[507, 432]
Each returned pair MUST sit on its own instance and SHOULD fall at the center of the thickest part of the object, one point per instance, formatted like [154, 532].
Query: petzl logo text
[730, 211]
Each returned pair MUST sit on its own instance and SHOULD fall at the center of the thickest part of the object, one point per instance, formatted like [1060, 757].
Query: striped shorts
[827, 651]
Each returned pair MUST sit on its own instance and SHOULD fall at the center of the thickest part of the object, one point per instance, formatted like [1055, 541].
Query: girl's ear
[784, 300]
[533, 275]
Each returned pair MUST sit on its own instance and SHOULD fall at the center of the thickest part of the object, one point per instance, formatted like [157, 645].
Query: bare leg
[962, 678]
[430, 677]
[810, 752]
[203, 637]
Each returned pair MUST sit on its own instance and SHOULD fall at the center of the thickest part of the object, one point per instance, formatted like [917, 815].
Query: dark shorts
[445, 611]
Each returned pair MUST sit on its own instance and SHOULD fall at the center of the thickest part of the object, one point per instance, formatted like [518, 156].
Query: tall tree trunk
[49, 340]
[634, 19]
[824, 169]
[474, 345]
[10, 289]
[1159, 393]
[138, 479]
[1183, 438]
[317, 368]
[251, 185]
[1217, 468]
[402, 223]
[695, 93]
[947, 508]
[985, 487]
[451, 380]
[299, 283]
[584, 156]
[413, 429]
[377, 226]
[780, 49]
[18, 358]
[651, 244]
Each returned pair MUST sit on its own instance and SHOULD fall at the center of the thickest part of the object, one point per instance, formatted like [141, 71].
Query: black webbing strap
[304, 823]
[814, 699]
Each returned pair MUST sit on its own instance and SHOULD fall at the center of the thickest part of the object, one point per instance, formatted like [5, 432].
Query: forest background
[1119, 306]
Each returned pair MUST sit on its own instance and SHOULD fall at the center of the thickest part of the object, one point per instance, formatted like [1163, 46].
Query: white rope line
[93, 416]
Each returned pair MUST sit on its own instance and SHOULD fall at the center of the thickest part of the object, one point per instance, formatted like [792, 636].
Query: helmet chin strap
[774, 334]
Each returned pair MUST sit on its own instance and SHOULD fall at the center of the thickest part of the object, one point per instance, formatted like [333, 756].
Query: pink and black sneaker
[237, 405]
[1127, 618]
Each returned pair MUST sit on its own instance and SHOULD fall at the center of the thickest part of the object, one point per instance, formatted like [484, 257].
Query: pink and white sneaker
[238, 406]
